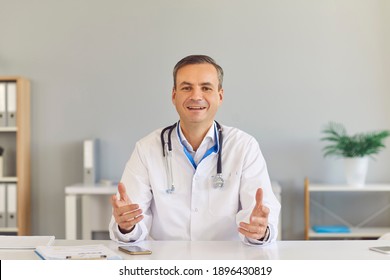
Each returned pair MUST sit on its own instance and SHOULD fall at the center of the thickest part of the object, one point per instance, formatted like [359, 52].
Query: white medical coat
[196, 210]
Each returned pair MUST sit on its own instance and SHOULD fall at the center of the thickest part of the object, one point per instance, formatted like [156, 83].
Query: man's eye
[206, 89]
[186, 88]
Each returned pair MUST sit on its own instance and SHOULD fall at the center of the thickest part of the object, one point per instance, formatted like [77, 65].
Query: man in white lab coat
[177, 194]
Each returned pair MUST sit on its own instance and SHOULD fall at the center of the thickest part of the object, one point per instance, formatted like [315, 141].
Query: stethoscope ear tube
[169, 143]
[219, 162]
[218, 180]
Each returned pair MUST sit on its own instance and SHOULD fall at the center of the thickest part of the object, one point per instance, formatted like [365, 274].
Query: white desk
[96, 209]
[234, 250]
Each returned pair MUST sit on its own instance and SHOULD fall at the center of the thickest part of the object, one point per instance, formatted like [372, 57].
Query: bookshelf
[357, 231]
[15, 139]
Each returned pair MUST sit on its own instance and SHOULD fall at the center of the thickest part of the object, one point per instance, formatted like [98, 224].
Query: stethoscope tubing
[167, 153]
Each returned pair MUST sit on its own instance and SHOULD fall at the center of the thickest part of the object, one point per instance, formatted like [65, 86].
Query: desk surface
[80, 189]
[234, 250]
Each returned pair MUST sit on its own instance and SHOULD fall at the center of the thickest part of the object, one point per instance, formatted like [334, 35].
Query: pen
[87, 257]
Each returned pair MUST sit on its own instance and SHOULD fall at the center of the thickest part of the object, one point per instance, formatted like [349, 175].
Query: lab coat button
[196, 210]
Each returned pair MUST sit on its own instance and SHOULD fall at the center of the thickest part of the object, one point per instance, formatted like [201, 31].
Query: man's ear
[221, 95]
[173, 95]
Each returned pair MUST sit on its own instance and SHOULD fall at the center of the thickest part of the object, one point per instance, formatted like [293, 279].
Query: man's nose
[197, 94]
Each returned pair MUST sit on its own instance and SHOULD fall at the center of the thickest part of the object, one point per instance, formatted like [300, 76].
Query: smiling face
[196, 95]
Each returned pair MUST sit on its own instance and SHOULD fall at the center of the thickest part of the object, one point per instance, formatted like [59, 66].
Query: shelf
[16, 143]
[8, 129]
[346, 188]
[8, 179]
[89, 189]
[368, 232]
[359, 229]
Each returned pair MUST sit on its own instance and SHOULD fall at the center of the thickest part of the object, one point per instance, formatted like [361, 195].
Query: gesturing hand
[126, 214]
[258, 220]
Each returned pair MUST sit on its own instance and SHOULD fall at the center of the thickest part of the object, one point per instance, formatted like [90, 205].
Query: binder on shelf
[3, 102]
[11, 205]
[90, 161]
[2, 205]
[11, 104]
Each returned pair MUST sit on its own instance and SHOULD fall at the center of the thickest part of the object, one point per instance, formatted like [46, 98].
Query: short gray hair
[198, 59]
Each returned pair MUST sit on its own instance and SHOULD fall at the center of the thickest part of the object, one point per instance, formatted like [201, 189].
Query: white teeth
[196, 108]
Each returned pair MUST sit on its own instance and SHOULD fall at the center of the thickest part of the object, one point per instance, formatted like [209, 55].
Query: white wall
[103, 69]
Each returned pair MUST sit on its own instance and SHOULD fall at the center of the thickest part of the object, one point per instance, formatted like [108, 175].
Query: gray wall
[103, 69]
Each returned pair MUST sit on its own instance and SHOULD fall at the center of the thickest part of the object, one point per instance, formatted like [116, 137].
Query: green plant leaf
[358, 145]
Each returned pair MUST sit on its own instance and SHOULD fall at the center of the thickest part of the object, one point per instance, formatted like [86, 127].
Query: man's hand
[126, 214]
[258, 220]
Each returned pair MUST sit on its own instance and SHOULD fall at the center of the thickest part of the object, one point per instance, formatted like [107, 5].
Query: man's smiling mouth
[196, 108]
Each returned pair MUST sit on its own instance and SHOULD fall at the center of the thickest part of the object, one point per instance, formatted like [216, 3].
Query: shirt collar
[209, 139]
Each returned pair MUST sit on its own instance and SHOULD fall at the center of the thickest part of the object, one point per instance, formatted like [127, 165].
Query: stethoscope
[167, 153]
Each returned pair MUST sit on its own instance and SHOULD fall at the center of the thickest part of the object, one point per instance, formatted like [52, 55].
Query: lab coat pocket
[224, 201]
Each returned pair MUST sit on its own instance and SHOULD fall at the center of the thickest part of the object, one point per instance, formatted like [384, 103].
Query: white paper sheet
[83, 252]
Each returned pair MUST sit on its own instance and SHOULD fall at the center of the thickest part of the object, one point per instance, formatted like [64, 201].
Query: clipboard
[83, 252]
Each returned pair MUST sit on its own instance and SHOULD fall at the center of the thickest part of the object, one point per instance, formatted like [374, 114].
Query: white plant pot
[356, 171]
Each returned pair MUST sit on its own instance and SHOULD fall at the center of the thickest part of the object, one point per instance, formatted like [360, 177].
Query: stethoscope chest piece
[218, 181]
[170, 190]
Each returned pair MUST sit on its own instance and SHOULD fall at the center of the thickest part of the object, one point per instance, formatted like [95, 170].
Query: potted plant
[355, 149]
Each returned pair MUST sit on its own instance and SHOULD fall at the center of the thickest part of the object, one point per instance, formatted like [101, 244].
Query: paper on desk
[85, 252]
[24, 242]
